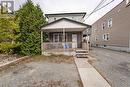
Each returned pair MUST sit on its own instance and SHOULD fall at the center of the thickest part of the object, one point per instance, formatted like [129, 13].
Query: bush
[7, 47]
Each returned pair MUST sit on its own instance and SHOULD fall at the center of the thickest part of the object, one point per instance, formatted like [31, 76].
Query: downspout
[42, 42]
[129, 43]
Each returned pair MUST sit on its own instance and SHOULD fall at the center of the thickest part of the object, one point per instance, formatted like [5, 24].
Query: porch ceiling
[65, 29]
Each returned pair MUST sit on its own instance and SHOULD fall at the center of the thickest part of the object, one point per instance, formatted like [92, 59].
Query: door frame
[74, 43]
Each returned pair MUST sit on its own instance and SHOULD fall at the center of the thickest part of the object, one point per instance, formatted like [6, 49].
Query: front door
[74, 40]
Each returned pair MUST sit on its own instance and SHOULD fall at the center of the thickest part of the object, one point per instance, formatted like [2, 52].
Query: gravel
[113, 65]
[41, 74]
[4, 58]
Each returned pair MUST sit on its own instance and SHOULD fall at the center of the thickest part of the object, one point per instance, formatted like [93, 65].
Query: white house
[64, 32]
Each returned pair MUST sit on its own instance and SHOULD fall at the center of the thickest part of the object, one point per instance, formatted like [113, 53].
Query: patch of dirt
[51, 83]
[4, 58]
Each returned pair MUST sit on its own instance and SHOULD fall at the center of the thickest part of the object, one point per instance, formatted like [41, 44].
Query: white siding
[75, 17]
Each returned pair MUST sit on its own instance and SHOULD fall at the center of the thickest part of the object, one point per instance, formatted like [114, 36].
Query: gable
[64, 24]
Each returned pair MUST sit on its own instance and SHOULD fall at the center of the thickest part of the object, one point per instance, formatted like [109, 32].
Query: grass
[54, 58]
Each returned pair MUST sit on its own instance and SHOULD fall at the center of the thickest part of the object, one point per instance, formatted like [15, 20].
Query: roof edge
[89, 26]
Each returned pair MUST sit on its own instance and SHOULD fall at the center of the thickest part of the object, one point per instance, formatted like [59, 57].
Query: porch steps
[81, 53]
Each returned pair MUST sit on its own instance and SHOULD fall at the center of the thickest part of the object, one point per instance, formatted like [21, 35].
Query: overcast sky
[62, 6]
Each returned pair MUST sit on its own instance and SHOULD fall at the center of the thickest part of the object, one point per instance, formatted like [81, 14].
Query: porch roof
[64, 23]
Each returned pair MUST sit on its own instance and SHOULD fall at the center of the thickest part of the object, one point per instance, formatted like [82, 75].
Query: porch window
[57, 37]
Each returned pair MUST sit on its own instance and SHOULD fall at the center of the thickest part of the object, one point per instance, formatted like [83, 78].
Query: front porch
[63, 37]
[62, 42]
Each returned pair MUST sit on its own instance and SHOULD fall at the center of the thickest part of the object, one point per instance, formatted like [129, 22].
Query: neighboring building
[64, 31]
[113, 29]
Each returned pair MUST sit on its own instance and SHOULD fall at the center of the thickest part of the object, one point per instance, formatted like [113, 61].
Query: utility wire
[100, 3]
[98, 7]
[104, 5]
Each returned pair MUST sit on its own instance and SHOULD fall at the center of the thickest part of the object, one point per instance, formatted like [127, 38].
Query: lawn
[42, 71]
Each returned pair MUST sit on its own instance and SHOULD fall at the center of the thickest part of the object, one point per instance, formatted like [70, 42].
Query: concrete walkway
[89, 76]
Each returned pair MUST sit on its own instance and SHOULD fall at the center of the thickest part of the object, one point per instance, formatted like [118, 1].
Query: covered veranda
[63, 37]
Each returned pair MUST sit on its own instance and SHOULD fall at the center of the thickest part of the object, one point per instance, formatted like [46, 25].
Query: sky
[68, 6]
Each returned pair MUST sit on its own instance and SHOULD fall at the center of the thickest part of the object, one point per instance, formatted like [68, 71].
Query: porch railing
[56, 45]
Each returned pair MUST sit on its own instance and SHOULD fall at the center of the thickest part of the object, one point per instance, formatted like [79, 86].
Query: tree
[30, 20]
[9, 32]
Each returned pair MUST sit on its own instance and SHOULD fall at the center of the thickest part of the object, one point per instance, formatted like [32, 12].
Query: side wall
[118, 33]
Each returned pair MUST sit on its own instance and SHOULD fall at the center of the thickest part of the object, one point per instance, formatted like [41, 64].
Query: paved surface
[113, 65]
[89, 76]
[41, 74]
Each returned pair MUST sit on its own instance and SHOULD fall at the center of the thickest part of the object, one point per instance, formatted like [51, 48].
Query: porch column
[63, 37]
[42, 42]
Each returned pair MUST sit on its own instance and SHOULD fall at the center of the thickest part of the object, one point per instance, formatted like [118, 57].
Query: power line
[104, 5]
[100, 3]
[97, 7]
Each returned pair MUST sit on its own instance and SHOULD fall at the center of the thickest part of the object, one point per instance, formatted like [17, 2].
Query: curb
[13, 62]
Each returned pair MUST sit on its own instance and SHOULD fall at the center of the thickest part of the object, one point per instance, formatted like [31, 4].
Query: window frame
[106, 37]
[103, 25]
[110, 22]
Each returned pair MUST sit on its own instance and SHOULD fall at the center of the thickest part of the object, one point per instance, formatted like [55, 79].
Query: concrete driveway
[113, 65]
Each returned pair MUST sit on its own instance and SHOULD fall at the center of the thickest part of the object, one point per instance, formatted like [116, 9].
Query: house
[112, 31]
[64, 32]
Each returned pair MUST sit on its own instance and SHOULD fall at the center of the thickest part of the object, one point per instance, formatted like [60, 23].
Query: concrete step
[81, 53]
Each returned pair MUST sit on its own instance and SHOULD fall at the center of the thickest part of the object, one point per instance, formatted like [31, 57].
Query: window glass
[109, 22]
[103, 26]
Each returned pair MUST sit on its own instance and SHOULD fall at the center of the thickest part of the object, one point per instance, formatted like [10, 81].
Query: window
[127, 2]
[106, 37]
[57, 37]
[109, 22]
[54, 19]
[103, 25]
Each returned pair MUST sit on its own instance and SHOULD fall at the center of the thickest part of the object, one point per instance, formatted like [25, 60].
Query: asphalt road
[113, 65]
